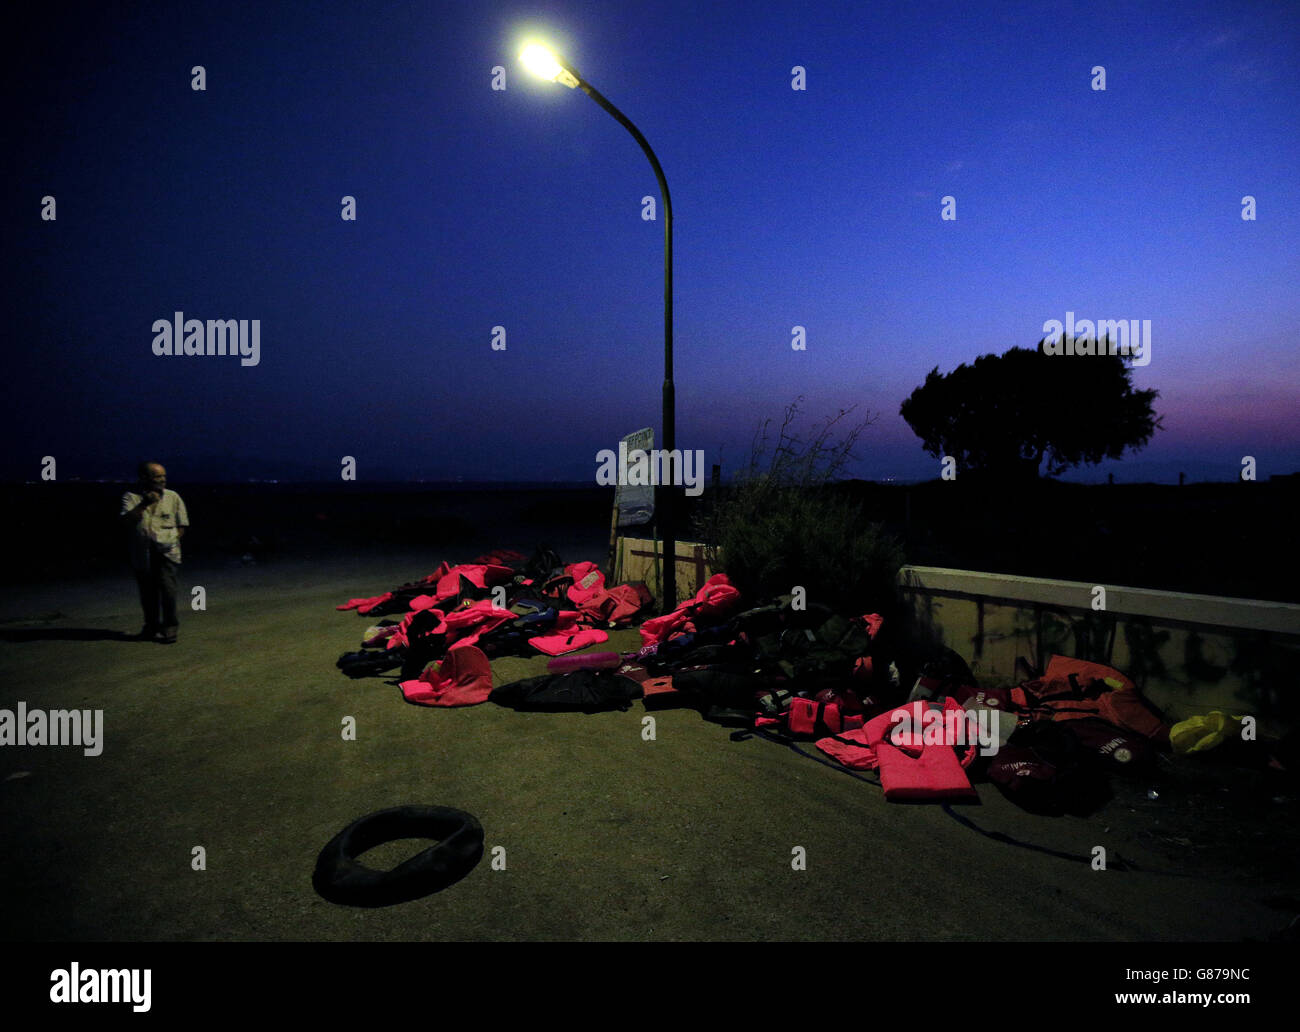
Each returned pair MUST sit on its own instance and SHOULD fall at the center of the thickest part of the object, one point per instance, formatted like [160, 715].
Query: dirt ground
[231, 741]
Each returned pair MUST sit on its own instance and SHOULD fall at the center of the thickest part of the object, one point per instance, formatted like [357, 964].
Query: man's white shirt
[158, 529]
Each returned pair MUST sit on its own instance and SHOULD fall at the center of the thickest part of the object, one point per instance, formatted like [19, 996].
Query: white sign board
[635, 503]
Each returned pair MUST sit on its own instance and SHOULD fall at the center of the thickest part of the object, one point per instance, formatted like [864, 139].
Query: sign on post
[635, 504]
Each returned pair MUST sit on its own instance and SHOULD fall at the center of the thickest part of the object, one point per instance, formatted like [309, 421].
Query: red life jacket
[464, 678]
[808, 716]
[851, 749]
[480, 576]
[567, 636]
[464, 626]
[588, 582]
[401, 637]
[365, 605]
[911, 769]
[716, 598]
[615, 606]
[1071, 689]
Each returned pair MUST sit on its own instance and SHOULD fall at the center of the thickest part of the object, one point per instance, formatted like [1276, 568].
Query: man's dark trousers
[158, 594]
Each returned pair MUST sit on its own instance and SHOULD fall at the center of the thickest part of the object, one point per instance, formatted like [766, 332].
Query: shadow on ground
[70, 634]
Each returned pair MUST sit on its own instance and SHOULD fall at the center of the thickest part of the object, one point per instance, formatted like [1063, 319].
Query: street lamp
[544, 63]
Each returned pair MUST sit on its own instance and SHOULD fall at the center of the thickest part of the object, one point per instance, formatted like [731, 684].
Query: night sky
[522, 208]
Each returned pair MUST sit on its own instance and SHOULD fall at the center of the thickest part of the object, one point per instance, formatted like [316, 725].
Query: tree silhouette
[1002, 415]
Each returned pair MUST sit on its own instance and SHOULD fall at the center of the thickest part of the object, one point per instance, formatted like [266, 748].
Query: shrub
[780, 524]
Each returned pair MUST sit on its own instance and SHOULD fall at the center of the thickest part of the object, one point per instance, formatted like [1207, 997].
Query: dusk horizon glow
[522, 207]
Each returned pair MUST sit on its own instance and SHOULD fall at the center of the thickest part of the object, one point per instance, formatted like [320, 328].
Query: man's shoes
[147, 633]
[166, 637]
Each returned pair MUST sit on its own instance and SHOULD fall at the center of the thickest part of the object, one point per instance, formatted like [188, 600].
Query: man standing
[157, 520]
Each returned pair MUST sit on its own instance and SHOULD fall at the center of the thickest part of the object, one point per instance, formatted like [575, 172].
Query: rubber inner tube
[340, 878]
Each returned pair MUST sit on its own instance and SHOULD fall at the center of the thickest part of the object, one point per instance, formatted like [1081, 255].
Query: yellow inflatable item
[1199, 734]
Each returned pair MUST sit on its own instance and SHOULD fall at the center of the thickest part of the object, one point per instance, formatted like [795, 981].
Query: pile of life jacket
[807, 672]
[1051, 742]
[546, 607]
[793, 671]
[1078, 722]
[446, 585]
[780, 665]
[1047, 744]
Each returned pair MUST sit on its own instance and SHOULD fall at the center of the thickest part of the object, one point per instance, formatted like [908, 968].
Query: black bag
[1119, 748]
[545, 564]
[730, 687]
[829, 659]
[697, 653]
[371, 661]
[1045, 769]
[816, 648]
[945, 674]
[587, 690]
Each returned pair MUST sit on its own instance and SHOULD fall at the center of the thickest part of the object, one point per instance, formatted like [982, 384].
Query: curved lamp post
[545, 64]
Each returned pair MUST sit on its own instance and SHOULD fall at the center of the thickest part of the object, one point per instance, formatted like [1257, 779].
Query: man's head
[152, 475]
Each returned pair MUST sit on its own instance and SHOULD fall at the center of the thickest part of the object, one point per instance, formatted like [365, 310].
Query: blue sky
[522, 208]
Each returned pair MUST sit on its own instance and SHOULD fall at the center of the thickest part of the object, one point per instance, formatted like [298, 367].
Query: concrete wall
[1188, 653]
